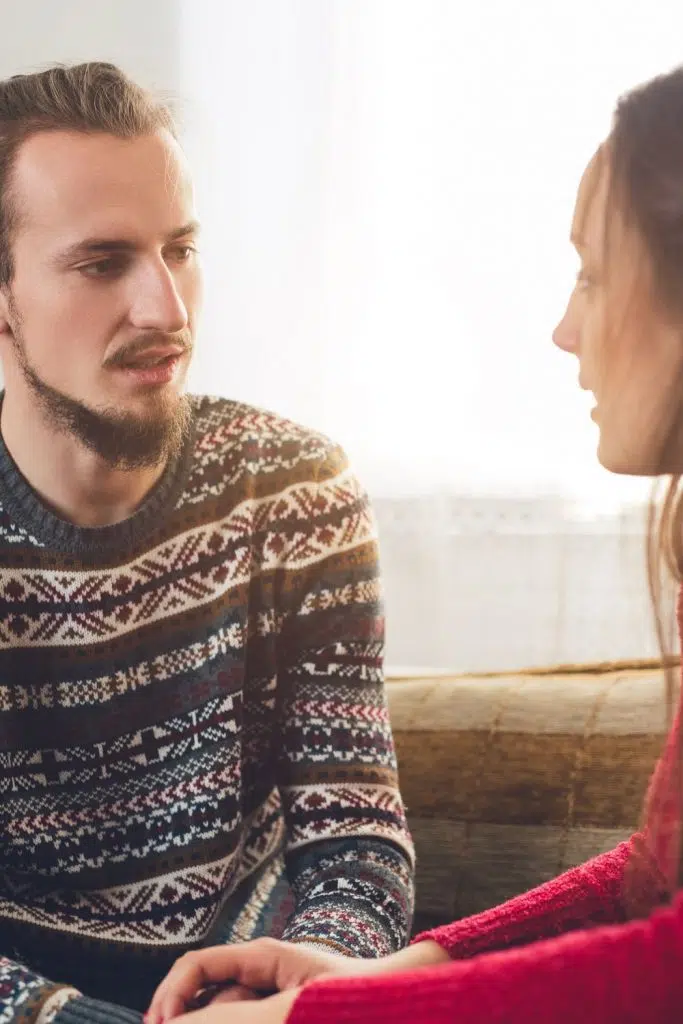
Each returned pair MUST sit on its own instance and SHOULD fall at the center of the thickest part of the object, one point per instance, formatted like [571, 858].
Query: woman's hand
[274, 1010]
[267, 966]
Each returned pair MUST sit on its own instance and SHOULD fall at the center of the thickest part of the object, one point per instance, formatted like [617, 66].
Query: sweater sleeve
[28, 997]
[349, 853]
[620, 974]
[584, 896]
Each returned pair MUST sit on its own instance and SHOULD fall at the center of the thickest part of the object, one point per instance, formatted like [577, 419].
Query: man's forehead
[73, 177]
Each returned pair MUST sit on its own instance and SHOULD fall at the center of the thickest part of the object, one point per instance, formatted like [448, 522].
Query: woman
[604, 942]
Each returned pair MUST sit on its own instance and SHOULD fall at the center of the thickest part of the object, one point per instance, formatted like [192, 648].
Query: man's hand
[261, 967]
[266, 966]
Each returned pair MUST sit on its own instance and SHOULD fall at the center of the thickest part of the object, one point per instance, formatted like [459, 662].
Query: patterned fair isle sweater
[194, 741]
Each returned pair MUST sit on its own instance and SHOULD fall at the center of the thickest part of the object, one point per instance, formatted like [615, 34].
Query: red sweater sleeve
[620, 974]
[584, 896]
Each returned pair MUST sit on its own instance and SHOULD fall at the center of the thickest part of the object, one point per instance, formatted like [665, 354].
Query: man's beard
[122, 440]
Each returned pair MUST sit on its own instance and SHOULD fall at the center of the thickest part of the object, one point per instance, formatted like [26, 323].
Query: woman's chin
[622, 461]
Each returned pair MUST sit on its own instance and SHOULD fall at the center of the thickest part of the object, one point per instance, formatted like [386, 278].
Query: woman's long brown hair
[645, 151]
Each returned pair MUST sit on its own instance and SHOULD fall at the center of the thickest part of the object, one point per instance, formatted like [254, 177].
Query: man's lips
[148, 357]
[153, 374]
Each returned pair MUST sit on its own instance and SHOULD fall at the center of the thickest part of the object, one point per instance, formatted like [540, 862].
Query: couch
[508, 780]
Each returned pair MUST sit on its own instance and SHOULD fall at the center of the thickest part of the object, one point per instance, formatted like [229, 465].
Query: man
[194, 743]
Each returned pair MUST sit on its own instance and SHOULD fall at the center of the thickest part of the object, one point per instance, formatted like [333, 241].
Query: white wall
[258, 81]
[142, 36]
[386, 188]
[494, 584]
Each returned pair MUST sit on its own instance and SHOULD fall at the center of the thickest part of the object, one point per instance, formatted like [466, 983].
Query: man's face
[101, 312]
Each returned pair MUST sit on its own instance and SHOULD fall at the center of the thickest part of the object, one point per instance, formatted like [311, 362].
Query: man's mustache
[181, 342]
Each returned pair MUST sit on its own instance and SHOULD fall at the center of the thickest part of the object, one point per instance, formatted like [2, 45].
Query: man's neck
[76, 483]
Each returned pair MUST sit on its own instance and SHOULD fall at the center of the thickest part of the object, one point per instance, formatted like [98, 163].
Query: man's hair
[90, 98]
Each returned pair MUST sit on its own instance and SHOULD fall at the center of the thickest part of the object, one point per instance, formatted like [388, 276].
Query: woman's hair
[645, 156]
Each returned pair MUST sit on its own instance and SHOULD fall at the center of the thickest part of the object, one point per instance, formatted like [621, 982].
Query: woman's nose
[566, 335]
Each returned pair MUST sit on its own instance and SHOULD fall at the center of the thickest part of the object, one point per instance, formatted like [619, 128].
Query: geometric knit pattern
[194, 737]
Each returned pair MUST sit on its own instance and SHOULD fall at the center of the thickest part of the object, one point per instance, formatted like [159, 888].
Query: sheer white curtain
[386, 188]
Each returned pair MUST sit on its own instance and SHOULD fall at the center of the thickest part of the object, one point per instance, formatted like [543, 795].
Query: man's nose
[158, 305]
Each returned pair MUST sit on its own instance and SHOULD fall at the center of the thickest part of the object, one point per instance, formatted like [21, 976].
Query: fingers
[252, 965]
[210, 1015]
[235, 994]
[274, 1010]
[184, 981]
[220, 1015]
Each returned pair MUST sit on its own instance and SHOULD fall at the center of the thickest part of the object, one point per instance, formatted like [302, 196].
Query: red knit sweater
[574, 956]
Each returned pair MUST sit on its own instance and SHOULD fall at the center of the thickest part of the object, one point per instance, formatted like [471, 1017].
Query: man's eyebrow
[102, 246]
[192, 227]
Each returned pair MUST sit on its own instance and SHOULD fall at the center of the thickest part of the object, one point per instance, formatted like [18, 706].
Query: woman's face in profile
[630, 355]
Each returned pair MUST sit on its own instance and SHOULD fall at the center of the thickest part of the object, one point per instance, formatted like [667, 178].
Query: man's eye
[183, 253]
[111, 266]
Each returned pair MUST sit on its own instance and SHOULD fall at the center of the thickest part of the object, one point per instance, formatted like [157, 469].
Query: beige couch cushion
[509, 780]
